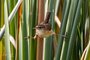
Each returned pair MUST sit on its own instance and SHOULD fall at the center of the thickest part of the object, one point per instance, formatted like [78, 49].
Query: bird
[44, 29]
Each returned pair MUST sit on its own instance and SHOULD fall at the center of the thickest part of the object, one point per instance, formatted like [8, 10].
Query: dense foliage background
[70, 20]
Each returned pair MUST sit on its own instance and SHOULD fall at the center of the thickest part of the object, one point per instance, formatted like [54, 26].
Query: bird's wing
[47, 26]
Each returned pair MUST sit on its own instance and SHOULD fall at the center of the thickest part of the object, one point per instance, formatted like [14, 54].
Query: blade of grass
[27, 20]
[7, 42]
[20, 44]
[2, 14]
[69, 28]
[87, 55]
[32, 22]
[24, 33]
[48, 48]
[76, 22]
[57, 6]
[18, 40]
[10, 17]
[1, 24]
[62, 30]
[12, 27]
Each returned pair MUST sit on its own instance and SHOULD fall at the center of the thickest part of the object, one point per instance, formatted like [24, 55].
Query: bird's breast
[43, 33]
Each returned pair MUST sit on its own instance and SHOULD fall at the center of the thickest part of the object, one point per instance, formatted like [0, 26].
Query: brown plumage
[45, 24]
[44, 28]
[47, 17]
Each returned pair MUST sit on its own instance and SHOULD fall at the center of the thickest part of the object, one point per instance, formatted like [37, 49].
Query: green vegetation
[69, 19]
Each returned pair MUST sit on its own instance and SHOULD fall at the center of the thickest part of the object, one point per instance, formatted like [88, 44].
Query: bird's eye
[40, 27]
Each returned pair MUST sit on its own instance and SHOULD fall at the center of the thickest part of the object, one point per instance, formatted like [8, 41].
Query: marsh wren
[44, 28]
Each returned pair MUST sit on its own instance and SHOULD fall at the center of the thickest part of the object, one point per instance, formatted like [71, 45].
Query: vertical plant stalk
[40, 40]
[7, 42]
[24, 33]
[26, 4]
[48, 42]
[1, 24]
[62, 29]
[74, 30]
[17, 40]
[89, 16]
[12, 30]
[2, 14]
[32, 22]
[68, 28]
